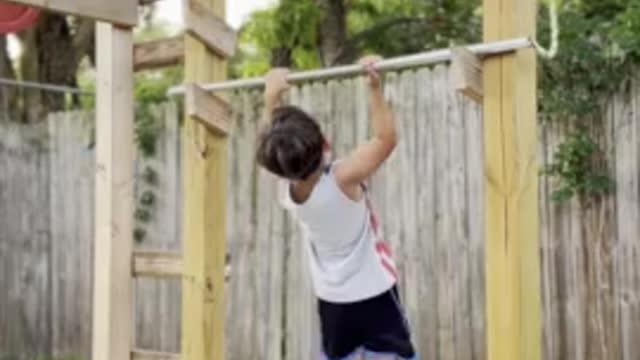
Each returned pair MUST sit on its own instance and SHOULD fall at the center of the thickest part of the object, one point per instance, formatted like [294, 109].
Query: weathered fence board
[429, 196]
[25, 267]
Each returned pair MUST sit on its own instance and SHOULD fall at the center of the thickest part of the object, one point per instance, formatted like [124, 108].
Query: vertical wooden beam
[511, 185]
[204, 211]
[112, 299]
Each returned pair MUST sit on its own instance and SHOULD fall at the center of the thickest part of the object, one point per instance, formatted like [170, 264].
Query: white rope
[552, 51]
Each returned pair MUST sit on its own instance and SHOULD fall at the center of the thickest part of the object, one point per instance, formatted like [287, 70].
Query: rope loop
[552, 51]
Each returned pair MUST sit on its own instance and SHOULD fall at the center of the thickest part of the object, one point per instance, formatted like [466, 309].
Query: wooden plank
[210, 29]
[627, 251]
[160, 264]
[113, 308]
[25, 245]
[511, 226]
[466, 68]
[205, 172]
[209, 109]
[158, 53]
[153, 355]
[426, 123]
[122, 12]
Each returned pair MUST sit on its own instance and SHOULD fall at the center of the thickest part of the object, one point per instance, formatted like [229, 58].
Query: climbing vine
[573, 164]
[599, 48]
[151, 88]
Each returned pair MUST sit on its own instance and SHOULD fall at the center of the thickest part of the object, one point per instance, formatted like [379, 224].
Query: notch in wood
[158, 53]
[158, 264]
[467, 73]
[210, 29]
[153, 355]
[209, 109]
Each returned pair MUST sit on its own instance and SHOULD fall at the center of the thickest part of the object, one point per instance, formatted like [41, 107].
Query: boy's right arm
[368, 157]
[276, 85]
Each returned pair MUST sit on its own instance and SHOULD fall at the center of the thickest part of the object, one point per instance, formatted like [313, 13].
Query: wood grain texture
[153, 355]
[210, 28]
[209, 109]
[205, 176]
[121, 12]
[112, 307]
[511, 207]
[158, 53]
[158, 264]
[466, 68]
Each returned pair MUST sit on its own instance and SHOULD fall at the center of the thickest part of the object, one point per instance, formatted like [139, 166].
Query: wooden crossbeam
[212, 30]
[121, 12]
[209, 109]
[157, 264]
[158, 53]
[153, 355]
[466, 68]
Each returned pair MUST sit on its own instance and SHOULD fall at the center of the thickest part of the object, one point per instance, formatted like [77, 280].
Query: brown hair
[293, 146]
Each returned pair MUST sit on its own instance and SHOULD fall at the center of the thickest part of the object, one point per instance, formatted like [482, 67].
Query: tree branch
[349, 47]
[84, 40]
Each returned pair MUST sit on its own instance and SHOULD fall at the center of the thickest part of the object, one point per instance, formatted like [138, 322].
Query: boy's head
[293, 146]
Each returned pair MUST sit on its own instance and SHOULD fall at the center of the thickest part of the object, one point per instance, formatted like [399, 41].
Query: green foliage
[142, 215]
[599, 47]
[146, 202]
[397, 27]
[150, 89]
[148, 198]
[293, 24]
[574, 165]
[139, 234]
[386, 27]
[150, 176]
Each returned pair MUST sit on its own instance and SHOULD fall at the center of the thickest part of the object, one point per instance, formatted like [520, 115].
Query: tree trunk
[332, 32]
[282, 57]
[52, 54]
[7, 93]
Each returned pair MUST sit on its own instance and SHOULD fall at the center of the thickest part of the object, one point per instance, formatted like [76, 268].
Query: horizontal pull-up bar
[392, 64]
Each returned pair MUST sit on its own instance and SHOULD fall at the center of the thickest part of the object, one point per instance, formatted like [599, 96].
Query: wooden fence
[430, 196]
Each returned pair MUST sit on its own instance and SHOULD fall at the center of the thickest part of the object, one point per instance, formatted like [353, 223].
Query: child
[353, 274]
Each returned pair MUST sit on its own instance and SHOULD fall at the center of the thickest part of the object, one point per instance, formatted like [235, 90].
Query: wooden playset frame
[505, 83]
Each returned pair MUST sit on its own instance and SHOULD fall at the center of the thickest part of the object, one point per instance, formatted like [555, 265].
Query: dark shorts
[375, 327]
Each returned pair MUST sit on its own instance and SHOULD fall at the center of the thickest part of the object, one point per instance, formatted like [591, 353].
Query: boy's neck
[301, 190]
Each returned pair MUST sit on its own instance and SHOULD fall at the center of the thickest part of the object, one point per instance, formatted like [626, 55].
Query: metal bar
[392, 64]
[47, 87]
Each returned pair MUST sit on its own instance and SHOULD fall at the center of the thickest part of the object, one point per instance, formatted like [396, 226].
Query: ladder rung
[157, 264]
[158, 53]
[153, 355]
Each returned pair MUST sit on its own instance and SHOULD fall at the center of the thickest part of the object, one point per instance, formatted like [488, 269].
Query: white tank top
[349, 261]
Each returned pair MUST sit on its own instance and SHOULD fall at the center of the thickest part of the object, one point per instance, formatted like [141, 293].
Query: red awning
[14, 18]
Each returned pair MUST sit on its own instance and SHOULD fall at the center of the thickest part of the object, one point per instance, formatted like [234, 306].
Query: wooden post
[510, 136]
[204, 211]
[112, 299]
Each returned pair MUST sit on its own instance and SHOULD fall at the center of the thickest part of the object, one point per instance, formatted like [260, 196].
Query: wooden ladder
[204, 30]
[160, 265]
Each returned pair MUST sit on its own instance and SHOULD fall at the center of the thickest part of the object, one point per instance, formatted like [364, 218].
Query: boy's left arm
[276, 85]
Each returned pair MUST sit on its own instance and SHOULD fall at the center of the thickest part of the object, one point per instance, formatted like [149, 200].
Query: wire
[48, 87]
[552, 51]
